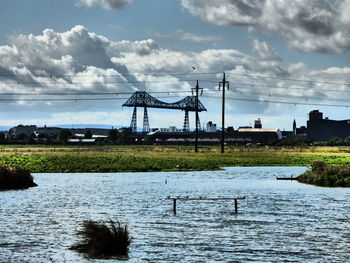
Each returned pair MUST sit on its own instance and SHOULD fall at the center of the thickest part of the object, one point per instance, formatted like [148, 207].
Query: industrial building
[323, 129]
[260, 134]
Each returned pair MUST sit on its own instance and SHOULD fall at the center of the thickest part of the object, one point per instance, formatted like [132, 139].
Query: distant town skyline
[283, 59]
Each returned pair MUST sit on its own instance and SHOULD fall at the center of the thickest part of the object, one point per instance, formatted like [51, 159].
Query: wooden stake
[174, 206]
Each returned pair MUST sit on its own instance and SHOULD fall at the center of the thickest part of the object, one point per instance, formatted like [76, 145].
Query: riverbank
[162, 158]
[322, 174]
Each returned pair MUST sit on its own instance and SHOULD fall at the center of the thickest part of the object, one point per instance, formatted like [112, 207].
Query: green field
[162, 158]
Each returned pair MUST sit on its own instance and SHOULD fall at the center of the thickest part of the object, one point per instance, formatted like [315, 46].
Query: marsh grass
[322, 174]
[15, 177]
[165, 158]
[103, 239]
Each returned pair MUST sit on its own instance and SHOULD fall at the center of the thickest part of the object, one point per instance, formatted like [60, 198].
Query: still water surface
[279, 221]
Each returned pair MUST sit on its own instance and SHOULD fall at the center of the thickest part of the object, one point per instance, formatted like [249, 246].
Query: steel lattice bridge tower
[143, 99]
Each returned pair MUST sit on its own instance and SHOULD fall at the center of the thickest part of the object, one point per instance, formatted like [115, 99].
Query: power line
[290, 79]
[74, 99]
[111, 75]
[89, 93]
[102, 83]
[281, 102]
[291, 96]
[52, 76]
[175, 81]
[292, 88]
[169, 92]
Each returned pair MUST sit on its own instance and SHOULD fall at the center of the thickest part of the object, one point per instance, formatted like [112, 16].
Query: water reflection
[279, 221]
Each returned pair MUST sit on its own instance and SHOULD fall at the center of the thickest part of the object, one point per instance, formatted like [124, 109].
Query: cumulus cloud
[309, 26]
[104, 4]
[264, 51]
[187, 36]
[81, 61]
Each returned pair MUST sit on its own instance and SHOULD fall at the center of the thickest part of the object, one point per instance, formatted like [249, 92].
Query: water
[279, 221]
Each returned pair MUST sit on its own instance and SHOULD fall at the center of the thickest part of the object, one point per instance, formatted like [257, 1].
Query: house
[21, 129]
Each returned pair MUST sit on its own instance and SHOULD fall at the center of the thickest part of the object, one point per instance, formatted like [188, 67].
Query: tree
[2, 137]
[335, 141]
[347, 140]
[150, 139]
[63, 135]
[124, 137]
[30, 139]
[21, 137]
[113, 135]
[88, 134]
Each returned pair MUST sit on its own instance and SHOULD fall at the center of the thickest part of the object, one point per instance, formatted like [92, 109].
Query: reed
[101, 239]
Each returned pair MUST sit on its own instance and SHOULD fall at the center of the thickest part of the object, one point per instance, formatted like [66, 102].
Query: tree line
[63, 136]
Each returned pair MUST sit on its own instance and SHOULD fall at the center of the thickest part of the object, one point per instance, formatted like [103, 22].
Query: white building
[211, 127]
[170, 129]
[261, 133]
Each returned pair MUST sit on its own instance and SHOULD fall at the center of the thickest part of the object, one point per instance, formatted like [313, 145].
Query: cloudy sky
[283, 58]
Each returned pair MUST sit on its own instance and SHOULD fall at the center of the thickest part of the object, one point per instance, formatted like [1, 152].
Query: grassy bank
[156, 158]
[323, 174]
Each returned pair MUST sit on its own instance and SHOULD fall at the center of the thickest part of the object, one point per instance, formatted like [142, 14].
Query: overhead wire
[73, 99]
[106, 82]
[39, 84]
[291, 88]
[289, 79]
[111, 75]
[88, 93]
[102, 83]
[176, 74]
[269, 94]
[281, 102]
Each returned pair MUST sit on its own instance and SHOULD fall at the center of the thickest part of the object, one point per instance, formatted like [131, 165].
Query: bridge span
[145, 100]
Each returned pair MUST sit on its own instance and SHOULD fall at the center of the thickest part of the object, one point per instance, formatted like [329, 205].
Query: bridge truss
[145, 100]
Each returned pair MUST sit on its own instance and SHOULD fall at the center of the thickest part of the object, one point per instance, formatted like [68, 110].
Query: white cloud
[104, 4]
[81, 61]
[309, 26]
[264, 51]
[187, 36]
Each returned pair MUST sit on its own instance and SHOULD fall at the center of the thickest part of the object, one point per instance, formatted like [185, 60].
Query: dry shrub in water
[15, 178]
[100, 238]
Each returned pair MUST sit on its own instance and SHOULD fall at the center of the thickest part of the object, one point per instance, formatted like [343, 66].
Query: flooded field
[279, 221]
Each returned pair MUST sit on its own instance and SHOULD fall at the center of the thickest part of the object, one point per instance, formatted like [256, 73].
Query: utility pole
[197, 116]
[223, 86]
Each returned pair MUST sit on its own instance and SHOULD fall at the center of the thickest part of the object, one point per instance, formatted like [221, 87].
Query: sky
[282, 59]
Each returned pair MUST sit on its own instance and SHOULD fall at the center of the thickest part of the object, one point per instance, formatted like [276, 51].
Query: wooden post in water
[236, 206]
[204, 199]
[174, 206]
